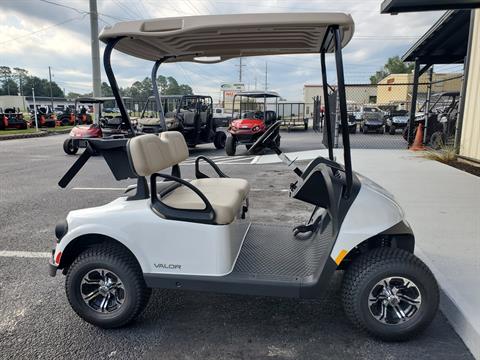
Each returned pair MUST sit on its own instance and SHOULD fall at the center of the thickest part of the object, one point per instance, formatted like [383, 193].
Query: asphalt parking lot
[36, 320]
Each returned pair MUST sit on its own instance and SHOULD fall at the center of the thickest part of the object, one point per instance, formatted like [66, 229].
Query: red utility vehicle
[250, 124]
[108, 126]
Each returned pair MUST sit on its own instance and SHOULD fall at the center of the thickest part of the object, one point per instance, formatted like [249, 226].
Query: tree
[73, 95]
[106, 89]
[42, 87]
[20, 75]
[394, 65]
[185, 90]
[5, 75]
[9, 87]
[173, 87]
[162, 83]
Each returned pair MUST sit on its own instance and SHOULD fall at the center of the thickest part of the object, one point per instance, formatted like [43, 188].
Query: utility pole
[95, 49]
[35, 109]
[266, 76]
[240, 69]
[50, 83]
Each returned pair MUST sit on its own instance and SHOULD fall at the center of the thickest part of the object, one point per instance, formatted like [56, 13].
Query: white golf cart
[175, 233]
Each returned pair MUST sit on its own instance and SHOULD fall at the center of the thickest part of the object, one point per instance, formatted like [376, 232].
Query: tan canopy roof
[222, 37]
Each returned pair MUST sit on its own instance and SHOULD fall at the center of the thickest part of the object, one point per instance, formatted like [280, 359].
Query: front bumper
[52, 268]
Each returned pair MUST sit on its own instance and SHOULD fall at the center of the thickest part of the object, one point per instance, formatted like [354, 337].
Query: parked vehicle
[150, 123]
[372, 120]
[251, 124]
[442, 115]
[67, 116]
[352, 124]
[396, 119]
[221, 118]
[108, 127]
[11, 118]
[194, 235]
[45, 117]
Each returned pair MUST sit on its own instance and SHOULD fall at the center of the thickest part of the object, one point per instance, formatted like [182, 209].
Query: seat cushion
[225, 194]
[226, 184]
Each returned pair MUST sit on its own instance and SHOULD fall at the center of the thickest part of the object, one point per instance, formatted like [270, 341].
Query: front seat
[150, 154]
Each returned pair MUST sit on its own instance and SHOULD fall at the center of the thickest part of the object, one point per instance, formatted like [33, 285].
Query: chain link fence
[379, 115]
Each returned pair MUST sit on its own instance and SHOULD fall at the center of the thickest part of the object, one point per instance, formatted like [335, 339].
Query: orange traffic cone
[418, 143]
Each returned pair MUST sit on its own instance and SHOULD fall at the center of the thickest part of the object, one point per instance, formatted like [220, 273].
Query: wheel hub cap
[102, 291]
[394, 300]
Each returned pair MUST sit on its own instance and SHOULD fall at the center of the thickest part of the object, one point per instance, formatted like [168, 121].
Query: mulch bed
[466, 166]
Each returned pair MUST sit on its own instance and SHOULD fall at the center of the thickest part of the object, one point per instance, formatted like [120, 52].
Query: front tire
[230, 145]
[105, 287]
[70, 147]
[390, 293]
[392, 129]
[219, 140]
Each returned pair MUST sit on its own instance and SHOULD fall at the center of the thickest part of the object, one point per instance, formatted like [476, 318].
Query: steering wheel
[266, 139]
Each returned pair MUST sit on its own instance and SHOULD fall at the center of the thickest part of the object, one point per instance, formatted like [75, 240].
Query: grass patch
[33, 130]
[448, 156]
[445, 155]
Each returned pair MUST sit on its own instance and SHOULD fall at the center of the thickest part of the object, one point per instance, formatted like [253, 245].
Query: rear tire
[437, 140]
[70, 147]
[365, 129]
[399, 275]
[230, 145]
[219, 140]
[392, 129]
[127, 295]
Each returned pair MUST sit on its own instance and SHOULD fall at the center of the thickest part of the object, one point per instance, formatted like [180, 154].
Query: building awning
[400, 6]
[446, 42]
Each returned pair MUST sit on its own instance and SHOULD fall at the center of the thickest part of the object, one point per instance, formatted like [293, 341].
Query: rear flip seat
[151, 153]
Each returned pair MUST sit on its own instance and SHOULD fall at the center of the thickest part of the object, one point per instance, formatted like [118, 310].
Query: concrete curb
[41, 133]
[454, 311]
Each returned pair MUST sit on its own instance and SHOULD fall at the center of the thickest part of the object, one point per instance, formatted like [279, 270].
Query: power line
[43, 29]
[80, 11]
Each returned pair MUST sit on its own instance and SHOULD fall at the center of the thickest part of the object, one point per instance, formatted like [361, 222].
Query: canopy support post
[413, 105]
[156, 92]
[328, 124]
[107, 54]
[343, 110]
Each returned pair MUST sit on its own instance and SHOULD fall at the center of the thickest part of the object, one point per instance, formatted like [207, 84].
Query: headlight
[256, 128]
[61, 229]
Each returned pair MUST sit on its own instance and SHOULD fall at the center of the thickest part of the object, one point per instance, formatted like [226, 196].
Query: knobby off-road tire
[219, 140]
[230, 145]
[125, 269]
[364, 275]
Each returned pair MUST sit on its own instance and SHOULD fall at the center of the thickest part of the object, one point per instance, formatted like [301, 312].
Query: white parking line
[99, 188]
[24, 254]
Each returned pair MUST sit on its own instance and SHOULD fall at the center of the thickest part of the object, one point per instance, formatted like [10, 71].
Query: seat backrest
[150, 153]
[203, 118]
[188, 118]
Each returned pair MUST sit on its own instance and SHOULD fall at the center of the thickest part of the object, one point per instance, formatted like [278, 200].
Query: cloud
[40, 41]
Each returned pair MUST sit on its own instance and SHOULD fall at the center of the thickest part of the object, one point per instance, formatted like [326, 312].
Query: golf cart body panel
[192, 38]
[211, 252]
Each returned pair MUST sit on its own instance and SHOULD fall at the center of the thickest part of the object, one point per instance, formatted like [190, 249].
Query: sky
[36, 34]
